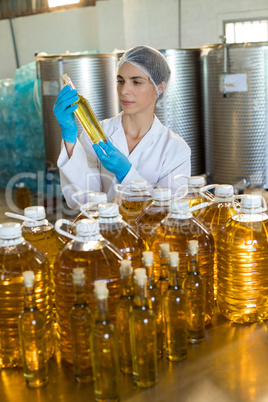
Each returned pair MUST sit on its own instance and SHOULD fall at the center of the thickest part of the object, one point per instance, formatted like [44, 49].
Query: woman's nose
[125, 89]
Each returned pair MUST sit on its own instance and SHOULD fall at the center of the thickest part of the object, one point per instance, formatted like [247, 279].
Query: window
[57, 3]
[246, 31]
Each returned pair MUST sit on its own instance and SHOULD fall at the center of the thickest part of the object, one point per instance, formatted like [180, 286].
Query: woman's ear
[161, 87]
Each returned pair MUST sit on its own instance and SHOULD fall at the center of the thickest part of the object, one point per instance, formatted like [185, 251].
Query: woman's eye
[137, 82]
[119, 81]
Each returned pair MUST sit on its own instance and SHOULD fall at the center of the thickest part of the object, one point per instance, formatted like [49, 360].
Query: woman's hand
[112, 159]
[63, 110]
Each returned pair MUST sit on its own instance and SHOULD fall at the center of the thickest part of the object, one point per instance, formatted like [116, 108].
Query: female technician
[138, 147]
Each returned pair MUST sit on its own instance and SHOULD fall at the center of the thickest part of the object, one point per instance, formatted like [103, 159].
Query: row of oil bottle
[240, 234]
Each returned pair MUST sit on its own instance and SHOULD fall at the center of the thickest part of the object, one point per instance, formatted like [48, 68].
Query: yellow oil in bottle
[214, 216]
[123, 310]
[154, 300]
[81, 321]
[16, 256]
[143, 334]
[164, 249]
[86, 116]
[120, 233]
[174, 309]
[195, 293]
[23, 196]
[153, 214]
[32, 332]
[177, 229]
[243, 263]
[105, 349]
[100, 260]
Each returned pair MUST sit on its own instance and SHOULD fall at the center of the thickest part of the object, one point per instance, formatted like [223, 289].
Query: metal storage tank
[93, 76]
[235, 123]
[181, 109]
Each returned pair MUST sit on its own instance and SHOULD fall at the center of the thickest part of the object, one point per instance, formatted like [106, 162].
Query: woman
[138, 147]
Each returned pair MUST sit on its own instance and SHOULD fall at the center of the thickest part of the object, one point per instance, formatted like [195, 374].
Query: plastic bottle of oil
[164, 267]
[23, 196]
[143, 336]
[177, 229]
[120, 233]
[105, 349]
[153, 214]
[133, 199]
[195, 183]
[243, 262]
[32, 332]
[123, 310]
[154, 299]
[90, 208]
[215, 215]
[81, 321]
[174, 308]
[86, 116]
[17, 256]
[195, 293]
[100, 260]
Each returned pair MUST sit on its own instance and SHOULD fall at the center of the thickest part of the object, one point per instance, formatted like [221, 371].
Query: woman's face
[135, 90]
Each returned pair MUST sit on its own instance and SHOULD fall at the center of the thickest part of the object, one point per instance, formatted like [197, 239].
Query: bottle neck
[70, 83]
[173, 279]
[164, 267]
[127, 289]
[29, 298]
[141, 299]
[150, 274]
[101, 311]
[193, 265]
[79, 294]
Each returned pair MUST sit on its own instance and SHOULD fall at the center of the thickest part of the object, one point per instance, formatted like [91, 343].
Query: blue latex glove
[64, 113]
[112, 159]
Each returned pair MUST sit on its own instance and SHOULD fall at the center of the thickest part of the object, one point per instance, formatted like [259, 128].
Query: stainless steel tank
[93, 76]
[181, 109]
[235, 113]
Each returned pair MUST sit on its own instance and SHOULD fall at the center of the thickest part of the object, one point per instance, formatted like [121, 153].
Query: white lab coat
[158, 157]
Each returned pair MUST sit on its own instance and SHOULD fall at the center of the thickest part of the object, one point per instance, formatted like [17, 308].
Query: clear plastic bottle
[23, 196]
[143, 336]
[120, 233]
[32, 332]
[243, 262]
[215, 215]
[90, 208]
[81, 321]
[133, 199]
[105, 349]
[153, 214]
[174, 309]
[86, 116]
[123, 310]
[17, 256]
[195, 293]
[177, 229]
[154, 299]
[99, 258]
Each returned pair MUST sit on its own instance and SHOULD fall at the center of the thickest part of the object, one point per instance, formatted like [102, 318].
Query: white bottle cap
[196, 181]
[65, 78]
[224, 190]
[100, 289]
[109, 210]
[193, 246]
[28, 279]
[179, 206]
[126, 268]
[162, 194]
[37, 213]
[251, 202]
[79, 276]
[101, 198]
[164, 250]
[147, 258]
[140, 276]
[138, 185]
[87, 228]
[173, 258]
[10, 230]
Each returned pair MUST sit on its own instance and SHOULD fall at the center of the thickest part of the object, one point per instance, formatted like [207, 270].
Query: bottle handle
[206, 188]
[21, 217]
[240, 196]
[86, 206]
[58, 226]
[77, 194]
[179, 176]
[199, 206]
[181, 187]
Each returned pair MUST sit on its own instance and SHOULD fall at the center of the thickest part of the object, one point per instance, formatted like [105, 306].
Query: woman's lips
[126, 103]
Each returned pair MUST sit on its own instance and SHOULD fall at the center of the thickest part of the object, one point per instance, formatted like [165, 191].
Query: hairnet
[151, 62]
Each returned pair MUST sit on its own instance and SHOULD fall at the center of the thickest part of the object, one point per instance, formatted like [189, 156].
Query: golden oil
[32, 332]
[100, 260]
[80, 322]
[164, 249]
[195, 293]
[154, 300]
[243, 263]
[177, 229]
[23, 196]
[16, 256]
[215, 215]
[174, 309]
[120, 233]
[86, 116]
[143, 334]
[105, 349]
[123, 311]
